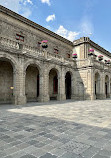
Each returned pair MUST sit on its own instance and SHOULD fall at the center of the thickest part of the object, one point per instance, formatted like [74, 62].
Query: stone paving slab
[69, 129]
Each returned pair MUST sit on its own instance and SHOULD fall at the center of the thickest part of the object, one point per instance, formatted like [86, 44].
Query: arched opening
[97, 85]
[68, 85]
[32, 83]
[107, 86]
[6, 81]
[53, 84]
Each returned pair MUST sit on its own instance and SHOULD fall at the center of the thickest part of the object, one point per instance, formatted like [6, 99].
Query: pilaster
[19, 97]
[62, 95]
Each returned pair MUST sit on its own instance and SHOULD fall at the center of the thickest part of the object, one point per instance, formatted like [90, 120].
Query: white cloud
[17, 6]
[86, 27]
[12, 4]
[50, 18]
[70, 35]
[46, 1]
[28, 1]
[48, 27]
[26, 13]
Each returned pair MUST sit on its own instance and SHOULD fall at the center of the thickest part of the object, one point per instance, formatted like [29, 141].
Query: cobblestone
[70, 129]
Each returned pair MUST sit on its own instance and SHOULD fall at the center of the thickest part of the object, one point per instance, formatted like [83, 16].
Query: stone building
[30, 72]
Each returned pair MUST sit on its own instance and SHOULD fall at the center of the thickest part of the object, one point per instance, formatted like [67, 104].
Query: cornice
[99, 48]
[33, 24]
[83, 40]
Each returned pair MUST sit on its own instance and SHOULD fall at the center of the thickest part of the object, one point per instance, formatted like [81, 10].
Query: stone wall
[11, 26]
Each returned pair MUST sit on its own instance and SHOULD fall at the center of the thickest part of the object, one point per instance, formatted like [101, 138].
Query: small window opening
[56, 51]
[68, 55]
[19, 37]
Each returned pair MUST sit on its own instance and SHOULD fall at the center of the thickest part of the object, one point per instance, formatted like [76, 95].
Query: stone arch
[69, 70]
[32, 62]
[8, 67]
[97, 71]
[32, 71]
[97, 84]
[9, 58]
[71, 73]
[54, 67]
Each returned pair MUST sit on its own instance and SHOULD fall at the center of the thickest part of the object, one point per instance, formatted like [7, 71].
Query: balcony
[92, 62]
[26, 50]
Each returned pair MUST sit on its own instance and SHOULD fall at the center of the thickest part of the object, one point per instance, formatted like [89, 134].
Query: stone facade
[29, 72]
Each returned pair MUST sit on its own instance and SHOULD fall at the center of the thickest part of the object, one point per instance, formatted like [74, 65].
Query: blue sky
[71, 19]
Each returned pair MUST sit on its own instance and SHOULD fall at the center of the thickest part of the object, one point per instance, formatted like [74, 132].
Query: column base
[19, 100]
[100, 96]
[77, 97]
[46, 98]
[93, 97]
[108, 95]
[40, 99]
[61, 97]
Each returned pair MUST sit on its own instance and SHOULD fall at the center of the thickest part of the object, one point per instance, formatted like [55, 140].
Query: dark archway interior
[106, 86]
[53, 84]
[95, 88]
[6, 82]
[97, 85]
[32, 83]
[106, 89]
[38, 85]
[68, 85]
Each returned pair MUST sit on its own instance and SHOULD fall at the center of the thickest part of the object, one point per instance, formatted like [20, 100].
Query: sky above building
[71, 19]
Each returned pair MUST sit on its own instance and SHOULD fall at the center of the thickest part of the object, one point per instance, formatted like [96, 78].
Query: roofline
[88, 40]
[33, 24]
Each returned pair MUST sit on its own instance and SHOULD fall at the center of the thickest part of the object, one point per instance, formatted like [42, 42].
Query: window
[56, 51]
[38, 45]
[19, 37]
[68, 55]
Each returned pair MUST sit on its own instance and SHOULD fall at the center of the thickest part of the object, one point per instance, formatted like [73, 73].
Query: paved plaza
[70, 129]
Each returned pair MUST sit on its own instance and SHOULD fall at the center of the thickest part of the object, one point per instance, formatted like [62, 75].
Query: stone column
[19, 87]
[41, 88]
[108, 84]
[45, 84]
[72, 87]
[93, 95]
[61, 85]
[110, 89]
[102, 86]
[59, 88]
[19, 83]
[75, 94]
[89, 89]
